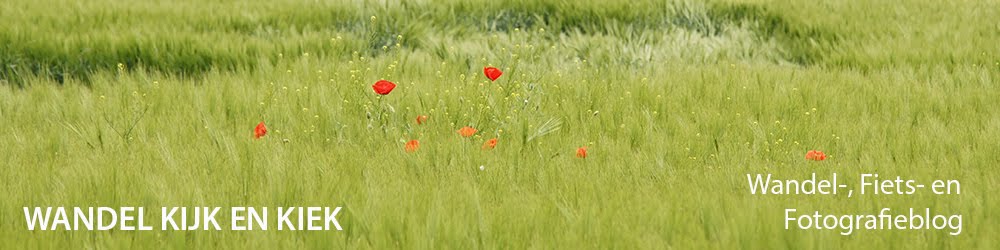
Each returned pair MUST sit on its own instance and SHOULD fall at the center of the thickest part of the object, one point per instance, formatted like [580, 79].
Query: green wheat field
[154, 103]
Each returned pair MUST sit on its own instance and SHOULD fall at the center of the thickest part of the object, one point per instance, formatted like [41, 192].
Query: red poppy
[421, 119]
[815, 155]
[492, 73]
[383, 87]
[581, 152]
[259, 131]
[412, 146]
[490, 144]
[467, 131]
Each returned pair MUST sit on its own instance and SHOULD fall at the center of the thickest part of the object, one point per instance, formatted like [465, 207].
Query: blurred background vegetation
[188, 38]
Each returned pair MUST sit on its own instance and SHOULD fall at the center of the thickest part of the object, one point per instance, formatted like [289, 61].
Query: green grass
[115, 103]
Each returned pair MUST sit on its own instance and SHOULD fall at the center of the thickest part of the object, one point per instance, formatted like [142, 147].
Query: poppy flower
[421, 119]
[467, 131]
[815, 155]
[581, 152]
[259, 131]
[383, 87]
[411, 146]
[490, 144]
[492, 73]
